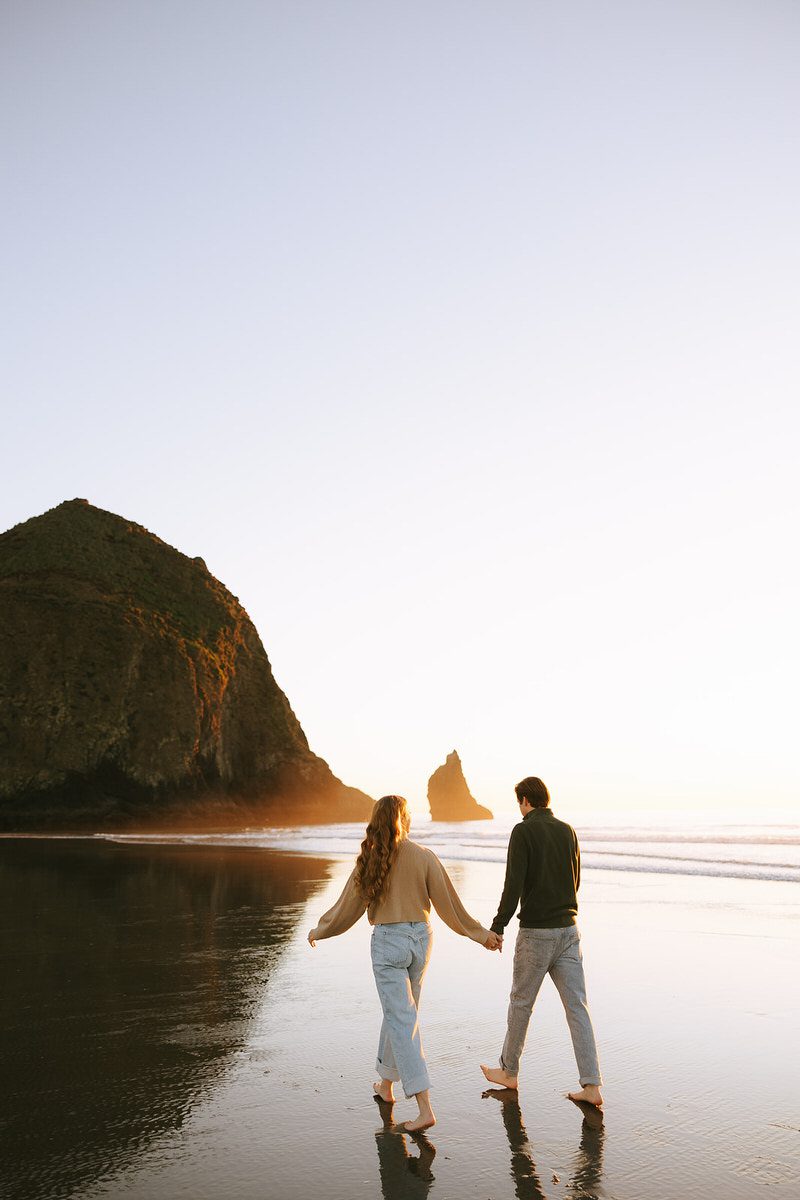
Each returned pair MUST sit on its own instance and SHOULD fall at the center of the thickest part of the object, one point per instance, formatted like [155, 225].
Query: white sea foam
[733, 851]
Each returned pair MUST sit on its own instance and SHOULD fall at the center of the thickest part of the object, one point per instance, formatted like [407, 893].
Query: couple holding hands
[395, 881]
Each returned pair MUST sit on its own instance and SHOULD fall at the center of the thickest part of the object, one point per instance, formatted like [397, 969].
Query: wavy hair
[388, 826]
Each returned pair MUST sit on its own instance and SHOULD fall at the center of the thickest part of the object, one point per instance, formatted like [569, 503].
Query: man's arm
[516, 864]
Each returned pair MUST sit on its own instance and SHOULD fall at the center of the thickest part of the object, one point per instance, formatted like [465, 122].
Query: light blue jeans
[400, 955]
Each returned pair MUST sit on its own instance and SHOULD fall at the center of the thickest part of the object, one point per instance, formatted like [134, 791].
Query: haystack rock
[449, 797]
[135, 691]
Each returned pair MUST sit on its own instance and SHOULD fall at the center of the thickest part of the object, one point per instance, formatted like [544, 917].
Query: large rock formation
[134, 690]
[449, 797]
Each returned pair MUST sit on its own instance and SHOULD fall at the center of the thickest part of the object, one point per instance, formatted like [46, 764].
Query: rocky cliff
[134, 690]
[449, 797]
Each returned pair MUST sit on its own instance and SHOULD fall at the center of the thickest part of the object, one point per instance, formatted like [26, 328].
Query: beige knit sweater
[416, 880]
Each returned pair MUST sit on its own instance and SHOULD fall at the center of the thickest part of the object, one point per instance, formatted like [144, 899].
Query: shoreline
[761, 852]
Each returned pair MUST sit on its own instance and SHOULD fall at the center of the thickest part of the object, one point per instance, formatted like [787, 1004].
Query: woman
[395, 881]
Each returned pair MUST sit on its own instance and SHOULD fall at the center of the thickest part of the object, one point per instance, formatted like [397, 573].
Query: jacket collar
[538, 812]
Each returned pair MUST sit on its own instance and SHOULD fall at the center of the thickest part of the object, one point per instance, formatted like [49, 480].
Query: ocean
[733, 851]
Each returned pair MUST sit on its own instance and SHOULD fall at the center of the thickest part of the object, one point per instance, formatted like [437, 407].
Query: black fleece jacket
[543, 872]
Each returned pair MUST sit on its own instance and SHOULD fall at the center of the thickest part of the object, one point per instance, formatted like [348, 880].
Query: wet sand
[167, 1032]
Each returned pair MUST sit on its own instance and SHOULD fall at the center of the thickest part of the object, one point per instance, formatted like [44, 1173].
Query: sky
[460, 340]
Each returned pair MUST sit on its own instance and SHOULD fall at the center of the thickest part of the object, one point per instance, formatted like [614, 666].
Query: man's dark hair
[534, 791]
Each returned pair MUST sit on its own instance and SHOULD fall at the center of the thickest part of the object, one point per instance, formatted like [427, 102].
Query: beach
[168, 1032]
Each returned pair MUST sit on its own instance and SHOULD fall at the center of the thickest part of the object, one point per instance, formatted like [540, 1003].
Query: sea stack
[449, 797]
[135, 691]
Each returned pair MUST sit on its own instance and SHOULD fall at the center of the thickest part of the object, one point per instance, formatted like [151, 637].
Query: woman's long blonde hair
[388, 826]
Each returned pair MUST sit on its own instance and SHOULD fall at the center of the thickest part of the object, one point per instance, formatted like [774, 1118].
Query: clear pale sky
[460, 339]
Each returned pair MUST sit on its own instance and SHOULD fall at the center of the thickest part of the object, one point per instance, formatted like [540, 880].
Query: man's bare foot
[590, 1094]
[499, 1076]
[383, 1091]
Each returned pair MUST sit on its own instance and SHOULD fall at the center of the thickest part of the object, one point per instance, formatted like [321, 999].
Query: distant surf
[728, 851]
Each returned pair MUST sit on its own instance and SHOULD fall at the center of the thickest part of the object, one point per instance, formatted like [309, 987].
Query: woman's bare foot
[426, 1119]
[499, 1076]
[590, 1094]
[419, 1123]
[383, 1091]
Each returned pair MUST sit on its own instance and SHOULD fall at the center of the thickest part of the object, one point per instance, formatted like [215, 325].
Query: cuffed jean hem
[594, 1081]
[421, 1084]
[390, 1073]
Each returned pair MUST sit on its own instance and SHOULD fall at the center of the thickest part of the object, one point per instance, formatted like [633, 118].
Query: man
[544, 871]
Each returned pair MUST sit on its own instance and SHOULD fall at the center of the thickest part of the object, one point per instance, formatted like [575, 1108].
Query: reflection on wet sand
[404, 1176]
[585, 1178]
[131, 976]
[588, 1170]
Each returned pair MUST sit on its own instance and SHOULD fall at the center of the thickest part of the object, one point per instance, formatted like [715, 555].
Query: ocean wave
[753, 852]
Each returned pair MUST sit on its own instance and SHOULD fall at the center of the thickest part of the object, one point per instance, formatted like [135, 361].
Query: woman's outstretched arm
[345, 912]
[444, 898]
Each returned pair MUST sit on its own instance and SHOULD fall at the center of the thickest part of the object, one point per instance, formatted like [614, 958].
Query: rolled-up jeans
[400, 954]
[557, 953]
